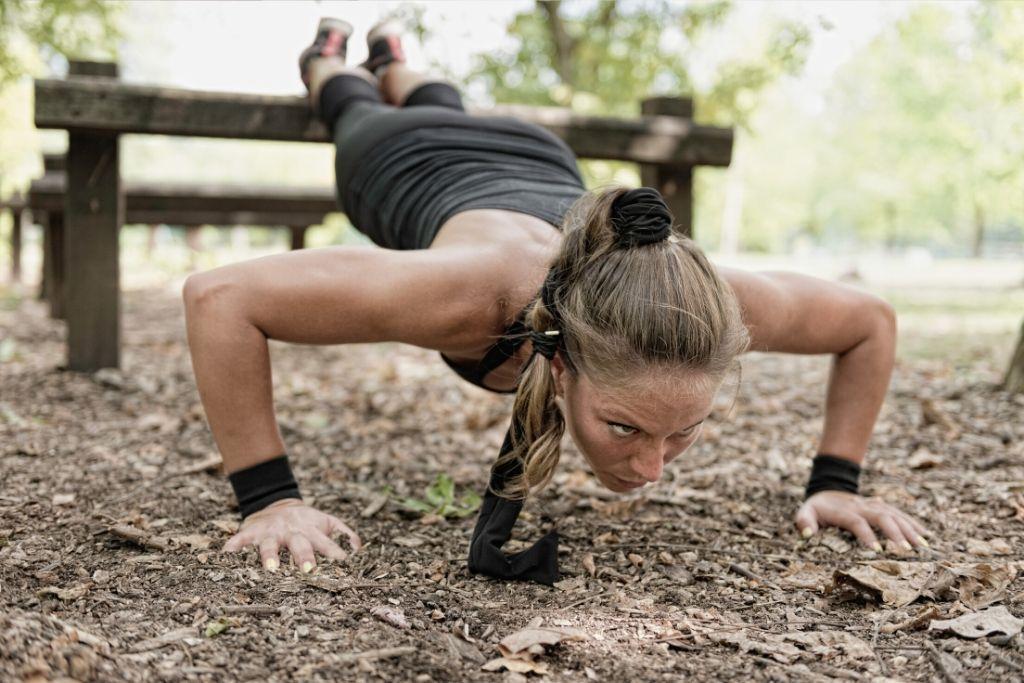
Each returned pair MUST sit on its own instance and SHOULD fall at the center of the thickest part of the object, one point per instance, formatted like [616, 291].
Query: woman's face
[629, 435]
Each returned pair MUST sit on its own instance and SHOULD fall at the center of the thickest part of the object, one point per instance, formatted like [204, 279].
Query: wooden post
[44, 280]
[93, 212]
[1014, 381]
[675, 183]
[17, 223]
[53, 262]
[298, 237]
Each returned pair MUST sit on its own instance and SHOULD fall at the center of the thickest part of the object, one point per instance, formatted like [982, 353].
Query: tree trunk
[1014, 382]
[564, 45]
[979, 230]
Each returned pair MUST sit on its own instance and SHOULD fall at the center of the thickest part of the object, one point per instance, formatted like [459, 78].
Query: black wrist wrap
[830, 473]
[258, 486]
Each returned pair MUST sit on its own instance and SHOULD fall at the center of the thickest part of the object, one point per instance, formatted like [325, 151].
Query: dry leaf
[978, 624]
[63, 499]
[390, 615]
[70, 593]
[805, 575]
[588, 564]
[893, 584]
[535, 635]
[195, 541]
[519, 666]
[923, 459]
[824, 643]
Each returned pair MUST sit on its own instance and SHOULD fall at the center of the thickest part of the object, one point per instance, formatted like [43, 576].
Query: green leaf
[418, 505]
[216, 627]
[442, 492]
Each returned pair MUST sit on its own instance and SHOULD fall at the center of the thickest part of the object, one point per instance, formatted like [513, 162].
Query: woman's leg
[404, 87]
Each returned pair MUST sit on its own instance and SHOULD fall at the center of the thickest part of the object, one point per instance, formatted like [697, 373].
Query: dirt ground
[113, 511]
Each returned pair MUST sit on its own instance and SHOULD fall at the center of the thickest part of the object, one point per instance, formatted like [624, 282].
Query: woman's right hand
[292, 523]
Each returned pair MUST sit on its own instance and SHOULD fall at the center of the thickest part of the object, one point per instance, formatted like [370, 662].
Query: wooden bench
[95, 111]
[185, 205]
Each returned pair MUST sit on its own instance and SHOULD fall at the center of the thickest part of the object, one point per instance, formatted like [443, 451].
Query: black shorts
[402, 172]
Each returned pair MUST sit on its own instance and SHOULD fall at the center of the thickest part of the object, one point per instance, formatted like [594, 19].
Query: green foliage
[439, 499]
[925, 134]
[34, 30]
[607, 57]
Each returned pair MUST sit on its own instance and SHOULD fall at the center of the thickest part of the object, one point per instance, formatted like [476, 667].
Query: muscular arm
[793, 313]
[435, 298]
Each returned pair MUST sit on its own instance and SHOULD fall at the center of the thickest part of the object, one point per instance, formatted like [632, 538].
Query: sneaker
[385, 45]
[331, 41]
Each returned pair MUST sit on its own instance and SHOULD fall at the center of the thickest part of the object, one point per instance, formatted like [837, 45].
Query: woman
[608, 326]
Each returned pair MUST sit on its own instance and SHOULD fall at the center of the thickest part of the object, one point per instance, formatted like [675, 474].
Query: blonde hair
[622, 311]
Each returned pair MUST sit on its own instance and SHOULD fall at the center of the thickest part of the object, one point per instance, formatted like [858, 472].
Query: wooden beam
[93, 214]
[675, 183]
[101, 105]
[186, 205]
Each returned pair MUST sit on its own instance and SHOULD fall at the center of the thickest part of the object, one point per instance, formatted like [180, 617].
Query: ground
[113, 512]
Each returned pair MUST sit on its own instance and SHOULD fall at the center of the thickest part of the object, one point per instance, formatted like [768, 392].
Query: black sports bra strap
[514, 337]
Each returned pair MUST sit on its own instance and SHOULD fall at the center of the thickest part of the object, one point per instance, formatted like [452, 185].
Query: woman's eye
[621, 430]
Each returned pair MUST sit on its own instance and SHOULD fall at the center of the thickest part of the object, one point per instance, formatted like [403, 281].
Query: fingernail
[906, 545]
[271, 565]
[307, 567]
[877, 547]
[807, 533]
[923, 542]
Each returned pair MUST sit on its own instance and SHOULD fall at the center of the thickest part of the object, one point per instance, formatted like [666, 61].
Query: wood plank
[673, 182]
[98, 105]
[47, 193]
[93, 214]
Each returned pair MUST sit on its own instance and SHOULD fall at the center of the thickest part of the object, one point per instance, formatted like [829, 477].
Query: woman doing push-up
[602, 320]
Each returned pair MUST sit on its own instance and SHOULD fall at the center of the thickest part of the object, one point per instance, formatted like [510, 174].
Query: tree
[34, 30]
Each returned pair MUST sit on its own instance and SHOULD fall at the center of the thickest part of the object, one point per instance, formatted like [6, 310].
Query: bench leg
[94, 212]
[298, 237]
[18, 220]
[54, 264]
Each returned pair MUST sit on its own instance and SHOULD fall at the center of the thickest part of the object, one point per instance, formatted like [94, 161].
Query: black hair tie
[640, 216]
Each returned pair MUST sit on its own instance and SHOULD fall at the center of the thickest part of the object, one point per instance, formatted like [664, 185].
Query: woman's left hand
[858, 515]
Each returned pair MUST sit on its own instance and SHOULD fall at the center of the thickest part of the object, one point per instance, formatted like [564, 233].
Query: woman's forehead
[679, 393]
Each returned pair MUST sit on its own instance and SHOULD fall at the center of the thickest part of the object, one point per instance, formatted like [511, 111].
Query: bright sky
[253, 46]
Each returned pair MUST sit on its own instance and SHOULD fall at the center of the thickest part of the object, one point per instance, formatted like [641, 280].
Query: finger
[237, 542]
[338, 526]
[325, 546]
[806, 521]
[860, 528]
[269, 553]
[301, 551]
[909, 532]
[916, 525]
[892, 530]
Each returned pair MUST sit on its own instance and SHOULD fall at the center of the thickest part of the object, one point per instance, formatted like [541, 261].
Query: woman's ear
[558, 374]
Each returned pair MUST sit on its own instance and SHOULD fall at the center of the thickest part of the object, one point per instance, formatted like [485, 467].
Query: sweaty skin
[457, 297]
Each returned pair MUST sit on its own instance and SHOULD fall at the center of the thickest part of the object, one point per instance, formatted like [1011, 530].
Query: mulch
[113, 511]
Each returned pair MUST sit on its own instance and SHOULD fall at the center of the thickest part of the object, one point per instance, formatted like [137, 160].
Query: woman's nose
[649, 465]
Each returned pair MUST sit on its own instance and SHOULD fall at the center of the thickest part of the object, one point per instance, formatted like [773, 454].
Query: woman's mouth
[626, 483]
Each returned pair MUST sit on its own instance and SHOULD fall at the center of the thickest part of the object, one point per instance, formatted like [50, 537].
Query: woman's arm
[436, 298]
[793, 313]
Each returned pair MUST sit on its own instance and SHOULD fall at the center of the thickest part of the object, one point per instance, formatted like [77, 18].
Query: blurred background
[876, 142]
